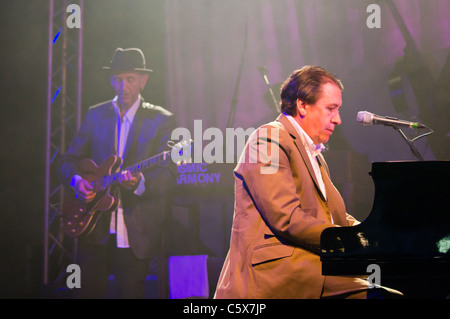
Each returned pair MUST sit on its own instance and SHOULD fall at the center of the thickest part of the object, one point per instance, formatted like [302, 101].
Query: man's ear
[111, 81]
[144, 78]
[301, 108]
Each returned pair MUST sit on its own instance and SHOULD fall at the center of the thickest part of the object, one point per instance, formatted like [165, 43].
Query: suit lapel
[110, 130]
[298, 142]
[134, 133]
[332, 193]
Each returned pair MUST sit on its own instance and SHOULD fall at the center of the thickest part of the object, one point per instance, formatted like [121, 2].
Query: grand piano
[407, 233]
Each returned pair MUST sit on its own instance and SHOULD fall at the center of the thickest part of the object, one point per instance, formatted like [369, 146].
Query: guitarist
[123, 241]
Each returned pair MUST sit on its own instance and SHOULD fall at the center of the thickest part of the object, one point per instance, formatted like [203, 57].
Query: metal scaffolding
[63, 120]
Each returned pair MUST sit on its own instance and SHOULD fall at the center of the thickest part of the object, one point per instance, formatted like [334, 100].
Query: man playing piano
[280, 213]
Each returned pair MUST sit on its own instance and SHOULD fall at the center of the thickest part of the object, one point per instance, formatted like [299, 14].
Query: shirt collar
[129, 115]
[315, 149]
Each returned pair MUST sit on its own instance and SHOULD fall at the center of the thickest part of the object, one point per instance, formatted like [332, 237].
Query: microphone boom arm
[411, 141]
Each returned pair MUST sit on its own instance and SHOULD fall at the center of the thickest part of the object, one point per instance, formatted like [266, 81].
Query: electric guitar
[79, 217]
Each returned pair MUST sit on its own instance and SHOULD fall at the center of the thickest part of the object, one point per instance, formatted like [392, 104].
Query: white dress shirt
[123, 128]
[312, 150]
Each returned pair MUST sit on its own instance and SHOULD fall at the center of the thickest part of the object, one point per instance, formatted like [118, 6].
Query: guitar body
[80, 217]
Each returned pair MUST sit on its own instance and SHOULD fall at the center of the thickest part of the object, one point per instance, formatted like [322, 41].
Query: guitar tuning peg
[170, 144]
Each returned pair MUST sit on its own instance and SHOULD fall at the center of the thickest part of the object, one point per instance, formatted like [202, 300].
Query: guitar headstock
[181, 152]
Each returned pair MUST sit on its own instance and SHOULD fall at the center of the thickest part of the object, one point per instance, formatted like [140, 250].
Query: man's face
[127, 86]
[319, 119]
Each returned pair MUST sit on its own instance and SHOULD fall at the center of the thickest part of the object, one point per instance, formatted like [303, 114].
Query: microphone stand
[263, 71]
[411, 142]
[234, 100]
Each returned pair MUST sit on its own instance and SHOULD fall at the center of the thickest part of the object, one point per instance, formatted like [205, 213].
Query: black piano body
[407, 233]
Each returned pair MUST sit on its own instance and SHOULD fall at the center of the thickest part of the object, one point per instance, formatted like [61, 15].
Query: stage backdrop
[215, 51]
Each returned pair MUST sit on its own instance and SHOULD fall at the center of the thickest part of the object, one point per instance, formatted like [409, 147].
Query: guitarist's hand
[84, 190]
[130, 181]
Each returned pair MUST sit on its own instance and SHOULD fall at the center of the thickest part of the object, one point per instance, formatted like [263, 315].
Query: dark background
[23, 79]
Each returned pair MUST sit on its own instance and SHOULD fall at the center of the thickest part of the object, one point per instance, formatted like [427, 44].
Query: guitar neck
[136, 168]
[149, 162]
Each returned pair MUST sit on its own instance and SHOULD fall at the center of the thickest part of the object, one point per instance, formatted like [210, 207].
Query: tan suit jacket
[278, 219]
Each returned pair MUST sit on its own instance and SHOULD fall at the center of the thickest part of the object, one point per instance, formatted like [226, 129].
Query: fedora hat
[128, 60]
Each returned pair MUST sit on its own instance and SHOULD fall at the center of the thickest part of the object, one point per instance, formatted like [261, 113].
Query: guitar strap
[113, 225]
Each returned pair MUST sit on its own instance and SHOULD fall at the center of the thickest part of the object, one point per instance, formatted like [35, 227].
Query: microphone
[368, 118]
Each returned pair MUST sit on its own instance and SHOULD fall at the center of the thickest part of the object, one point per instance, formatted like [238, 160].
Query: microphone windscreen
[364, 117]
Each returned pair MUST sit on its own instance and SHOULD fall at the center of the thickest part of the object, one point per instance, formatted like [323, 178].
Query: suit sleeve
[274, 192]
[158, 181]
[159, 178]
[77, 150]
